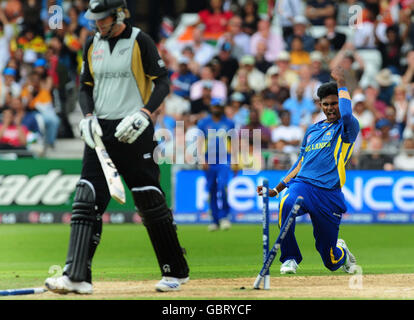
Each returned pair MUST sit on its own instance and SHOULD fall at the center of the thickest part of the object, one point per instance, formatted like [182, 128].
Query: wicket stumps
[283, 231]
[17, 292]
[266, 221]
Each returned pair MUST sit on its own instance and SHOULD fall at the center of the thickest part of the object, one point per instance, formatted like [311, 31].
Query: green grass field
[125, 254]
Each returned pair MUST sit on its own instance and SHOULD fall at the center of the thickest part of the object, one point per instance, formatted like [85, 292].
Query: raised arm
[351, 124]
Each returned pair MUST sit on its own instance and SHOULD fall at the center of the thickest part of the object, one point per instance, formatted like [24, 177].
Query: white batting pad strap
[146, 188]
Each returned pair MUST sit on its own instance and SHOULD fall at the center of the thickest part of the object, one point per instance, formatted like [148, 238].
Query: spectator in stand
[243, 85]
[187, 52]
[409, 127]
[391, 50]
[390, 143]
[324, 47]
[70, 49]
[13, 10]
[31, 15]
[219, 89]
[268, 116]
[239, 110]
[30, 42]
[40, 67]
[404, 160]
[346, 57]
[298, 56]
[228, 65]
[407, 27]
[309, 84]
[376, 158]
[176, 105]
[203, 52]
[274, 42]
[261, 63]
[287, 137]
[255, 123]
[77, 33]
[318, 10]
[394, 132]
[287, 10]
[387, 85]
[215, 19]
[6, 34]
[316, 67]
[300, 24]
[239, 40]
[28, 119]
[300, 107]
[255, 77]
[364, 116]
[62, 78]
[250, 17]
[372, 102]
[336, 38]
[400, 102]
[8, 86]
[274, 86]
[288, 77]
[389, 15]
[365, 38]
[183, 78]
[36, 95]
[201, 106]
[13, 134]
[408, 77]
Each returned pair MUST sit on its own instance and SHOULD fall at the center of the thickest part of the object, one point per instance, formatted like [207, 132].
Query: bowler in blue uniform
[318, 176]
[217, 130]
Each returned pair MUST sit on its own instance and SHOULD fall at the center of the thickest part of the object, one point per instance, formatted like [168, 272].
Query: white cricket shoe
[289, 266]
[170, 284]
[64, 285]
[350, 258]
[212, 227]
[225, 224]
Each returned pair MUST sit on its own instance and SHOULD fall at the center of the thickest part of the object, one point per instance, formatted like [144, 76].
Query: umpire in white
[123, 81]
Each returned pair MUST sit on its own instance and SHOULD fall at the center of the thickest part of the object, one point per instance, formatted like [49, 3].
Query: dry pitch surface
[390, 286]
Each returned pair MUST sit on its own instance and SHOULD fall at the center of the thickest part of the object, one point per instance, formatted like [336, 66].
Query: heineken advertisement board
[42, 191]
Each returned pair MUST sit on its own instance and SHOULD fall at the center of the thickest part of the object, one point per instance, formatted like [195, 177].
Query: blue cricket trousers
[325, 208]
[217, 177]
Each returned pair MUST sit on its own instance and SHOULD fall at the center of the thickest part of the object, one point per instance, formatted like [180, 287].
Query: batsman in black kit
[123, 81]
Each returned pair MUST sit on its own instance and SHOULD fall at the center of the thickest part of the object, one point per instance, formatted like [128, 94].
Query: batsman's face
[330, 106]
[104, 25]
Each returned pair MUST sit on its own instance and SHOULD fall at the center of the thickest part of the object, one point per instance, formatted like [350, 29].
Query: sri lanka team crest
[328, 135]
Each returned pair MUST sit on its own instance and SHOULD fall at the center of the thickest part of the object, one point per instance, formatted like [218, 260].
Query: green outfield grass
[28, 251]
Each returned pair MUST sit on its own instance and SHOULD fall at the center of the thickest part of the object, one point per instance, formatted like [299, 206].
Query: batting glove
[88, 127]
[131, 127]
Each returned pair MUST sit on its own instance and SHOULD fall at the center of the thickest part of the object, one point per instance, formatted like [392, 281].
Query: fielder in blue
[318, 176]
[216, 129]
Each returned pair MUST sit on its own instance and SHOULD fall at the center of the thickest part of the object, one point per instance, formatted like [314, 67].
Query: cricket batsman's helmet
[100, 9]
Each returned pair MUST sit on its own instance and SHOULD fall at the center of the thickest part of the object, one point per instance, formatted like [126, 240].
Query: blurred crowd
[40, 58]
[264, 60]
